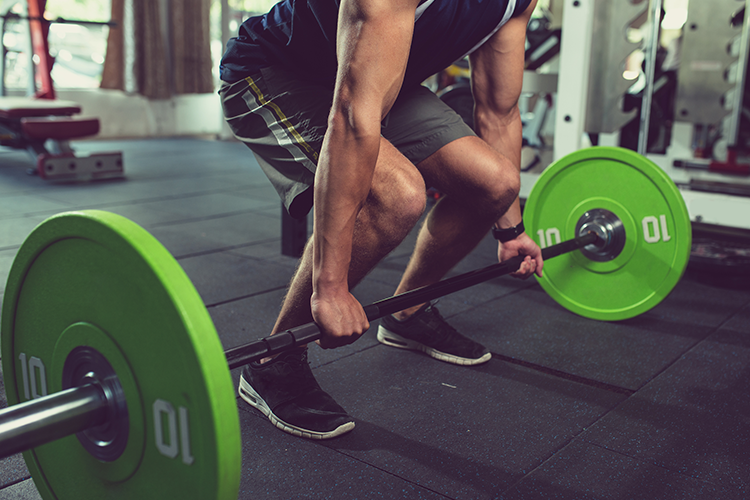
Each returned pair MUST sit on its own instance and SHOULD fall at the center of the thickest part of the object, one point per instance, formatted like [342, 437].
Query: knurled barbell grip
[240, 356]
[43, 420]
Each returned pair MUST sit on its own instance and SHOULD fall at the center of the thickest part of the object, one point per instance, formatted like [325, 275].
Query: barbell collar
[281, 342]
[46, 419]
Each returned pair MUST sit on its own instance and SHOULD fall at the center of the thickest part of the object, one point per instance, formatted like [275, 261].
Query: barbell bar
[88, 406]
[283, 341]
[99, 315]
[39, 421]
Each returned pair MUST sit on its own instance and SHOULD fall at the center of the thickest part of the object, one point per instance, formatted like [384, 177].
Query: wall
[130, 115]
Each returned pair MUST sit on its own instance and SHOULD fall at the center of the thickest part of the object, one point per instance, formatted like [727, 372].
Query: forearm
[497, 80]
[342, 183]
[373, 41]
[504, 134]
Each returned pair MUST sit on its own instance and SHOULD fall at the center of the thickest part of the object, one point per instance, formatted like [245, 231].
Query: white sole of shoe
[248, 394]
[387, 337]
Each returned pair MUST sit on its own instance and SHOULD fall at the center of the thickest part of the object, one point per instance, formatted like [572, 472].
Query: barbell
[119, 386]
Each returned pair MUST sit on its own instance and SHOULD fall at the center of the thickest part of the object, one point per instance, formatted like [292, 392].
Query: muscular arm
[497, 78]
[373, 41]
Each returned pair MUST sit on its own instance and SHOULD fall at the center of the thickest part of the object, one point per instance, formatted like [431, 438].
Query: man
[327, 95]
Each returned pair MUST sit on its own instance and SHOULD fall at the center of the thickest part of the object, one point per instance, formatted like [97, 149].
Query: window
[78, 49]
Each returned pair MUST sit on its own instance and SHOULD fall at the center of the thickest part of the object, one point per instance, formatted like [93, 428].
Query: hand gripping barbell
[105, 338]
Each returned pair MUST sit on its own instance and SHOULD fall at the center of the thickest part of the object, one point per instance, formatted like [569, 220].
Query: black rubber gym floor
[655, 407]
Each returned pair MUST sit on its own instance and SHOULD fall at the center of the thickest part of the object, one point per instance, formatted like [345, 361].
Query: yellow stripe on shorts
[281, 117]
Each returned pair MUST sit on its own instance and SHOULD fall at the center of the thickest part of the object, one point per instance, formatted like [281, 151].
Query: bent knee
[498, 191]
[507, 189]
[400, 197]
[403, 197]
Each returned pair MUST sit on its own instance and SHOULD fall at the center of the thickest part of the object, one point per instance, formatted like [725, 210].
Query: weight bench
[44, 127]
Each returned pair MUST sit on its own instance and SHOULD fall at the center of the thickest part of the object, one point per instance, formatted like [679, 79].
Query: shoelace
[442, 328]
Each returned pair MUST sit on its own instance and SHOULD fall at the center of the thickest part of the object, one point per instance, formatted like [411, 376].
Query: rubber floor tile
[461, 432]
[20, 204]
[740, 322]
[220, 276]
[259, 191]
[583, 471]
[100, 194]
[25, 490]
[13, 172]
[278, 465]
[530, 327]
[12, 470]
[208, 205]
[6, 261]
[696, 303]
[215, 234]
[179, 210]
[694, 418]
[14, 230]
[245, 320]
[267, 250]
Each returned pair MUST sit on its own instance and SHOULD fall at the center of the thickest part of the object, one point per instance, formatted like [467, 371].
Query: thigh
[469, 169]
[397, 184]
[420, 124]
[446, 151]
[282, 119]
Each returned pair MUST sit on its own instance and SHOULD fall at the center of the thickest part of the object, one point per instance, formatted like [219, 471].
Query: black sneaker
[285, 390]
[427, 331]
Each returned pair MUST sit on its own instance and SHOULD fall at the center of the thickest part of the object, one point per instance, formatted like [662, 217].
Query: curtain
[113, 74]
[169, 58]
[151, 70]
[191, 46]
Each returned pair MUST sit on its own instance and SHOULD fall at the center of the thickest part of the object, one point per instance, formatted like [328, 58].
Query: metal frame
[570, 127]
[648, 92]
[573, 82]
[734, 127]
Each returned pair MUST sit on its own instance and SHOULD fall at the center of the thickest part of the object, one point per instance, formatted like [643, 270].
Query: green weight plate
[653, 214]
[96, 279]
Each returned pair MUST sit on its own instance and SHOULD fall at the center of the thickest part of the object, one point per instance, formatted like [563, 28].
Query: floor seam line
[566, 376]
[208, 218]
[651, 462]
[243, 297]
[95, 206]
[392, 474]
[225, 249]
[329, 362]
[684, 353]
[544, 461]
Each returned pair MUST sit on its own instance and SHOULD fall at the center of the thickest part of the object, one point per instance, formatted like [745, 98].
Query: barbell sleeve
[280, 342]
[46, 419]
